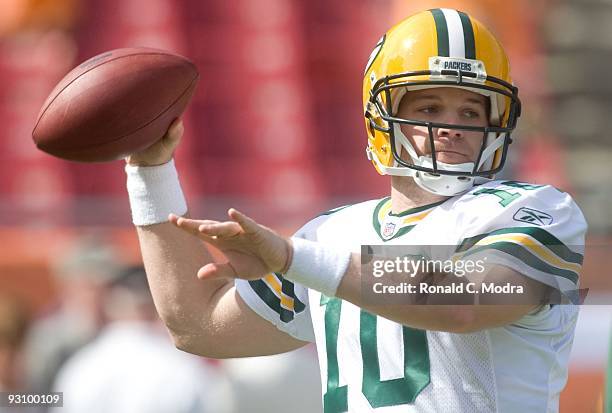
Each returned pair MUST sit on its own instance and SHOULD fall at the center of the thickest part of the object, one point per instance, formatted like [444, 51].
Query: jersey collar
[389, 226]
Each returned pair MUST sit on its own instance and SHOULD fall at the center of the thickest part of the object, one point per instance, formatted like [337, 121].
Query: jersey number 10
[378, 392]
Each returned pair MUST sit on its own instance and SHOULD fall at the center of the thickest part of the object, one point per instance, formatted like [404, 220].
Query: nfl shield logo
[389, 229]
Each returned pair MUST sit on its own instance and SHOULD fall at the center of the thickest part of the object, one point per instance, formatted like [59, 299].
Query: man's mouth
[438, 151]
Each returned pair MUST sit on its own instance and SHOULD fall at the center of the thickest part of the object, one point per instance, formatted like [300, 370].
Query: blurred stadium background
[276, 129]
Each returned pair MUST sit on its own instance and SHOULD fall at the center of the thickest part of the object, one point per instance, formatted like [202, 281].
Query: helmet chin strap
[446, 185]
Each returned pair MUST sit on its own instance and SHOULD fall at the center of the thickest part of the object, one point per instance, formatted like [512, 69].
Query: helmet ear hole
[374, 123]
[371, 129]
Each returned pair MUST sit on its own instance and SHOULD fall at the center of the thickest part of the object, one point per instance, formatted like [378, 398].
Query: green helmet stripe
[468, 36]
[442, 30]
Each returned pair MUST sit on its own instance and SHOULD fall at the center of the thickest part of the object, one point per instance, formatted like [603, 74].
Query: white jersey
[371, 364]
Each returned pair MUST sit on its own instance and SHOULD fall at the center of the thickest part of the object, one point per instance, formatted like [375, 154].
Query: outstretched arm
[253, 250]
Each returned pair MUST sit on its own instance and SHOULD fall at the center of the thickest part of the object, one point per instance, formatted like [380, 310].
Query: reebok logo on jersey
[533, 216]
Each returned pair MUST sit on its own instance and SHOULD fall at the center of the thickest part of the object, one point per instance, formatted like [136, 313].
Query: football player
[439, 108]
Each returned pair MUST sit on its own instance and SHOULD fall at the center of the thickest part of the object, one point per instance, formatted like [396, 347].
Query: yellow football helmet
[438, 48]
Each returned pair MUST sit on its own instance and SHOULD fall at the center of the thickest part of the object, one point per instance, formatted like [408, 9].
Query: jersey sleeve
[280, 301]
[538, 231]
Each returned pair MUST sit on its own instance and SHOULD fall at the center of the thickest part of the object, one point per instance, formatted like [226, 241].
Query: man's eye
[471, 114]
[429, 109]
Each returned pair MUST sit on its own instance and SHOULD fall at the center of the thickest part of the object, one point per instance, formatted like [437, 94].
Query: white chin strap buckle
[447, 185]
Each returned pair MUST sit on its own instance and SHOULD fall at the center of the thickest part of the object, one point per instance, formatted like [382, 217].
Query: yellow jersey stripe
[534, 247]
[416, 218]
[275, 285]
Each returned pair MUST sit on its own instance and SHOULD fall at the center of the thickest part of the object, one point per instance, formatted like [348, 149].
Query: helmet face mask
[406, 59]
[387, 114]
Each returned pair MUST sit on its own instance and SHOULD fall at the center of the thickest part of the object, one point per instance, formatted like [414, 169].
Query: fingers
[175, 131]
[162, 150]
[215, 270]
[186, 224]
[189, 225]
[249, 225]
[173, 136]
[216, 228]
[220, 229]
[207, 230]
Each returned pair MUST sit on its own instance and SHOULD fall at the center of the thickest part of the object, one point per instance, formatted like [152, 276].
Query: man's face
[445, 105]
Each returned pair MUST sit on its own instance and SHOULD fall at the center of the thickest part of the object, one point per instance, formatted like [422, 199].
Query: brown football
[115, 104]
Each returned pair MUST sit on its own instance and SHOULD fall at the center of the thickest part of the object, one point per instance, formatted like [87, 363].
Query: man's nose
[450, 133]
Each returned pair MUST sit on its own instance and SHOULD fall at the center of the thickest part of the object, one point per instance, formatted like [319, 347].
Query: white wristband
[155, 192]
[317, 266]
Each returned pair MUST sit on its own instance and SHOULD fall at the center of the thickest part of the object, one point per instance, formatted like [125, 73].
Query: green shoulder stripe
[288, 290]
[525, 256]
[541, 235]
[333, 210]
[271, 300]
[267, 295]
